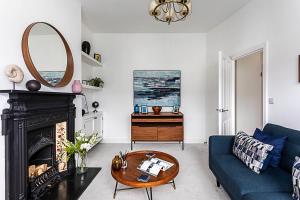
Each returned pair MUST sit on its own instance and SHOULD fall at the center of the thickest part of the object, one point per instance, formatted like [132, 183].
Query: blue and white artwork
[157, 88]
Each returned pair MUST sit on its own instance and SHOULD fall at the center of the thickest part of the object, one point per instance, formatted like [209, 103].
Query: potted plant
[97, 82]
[80, 147]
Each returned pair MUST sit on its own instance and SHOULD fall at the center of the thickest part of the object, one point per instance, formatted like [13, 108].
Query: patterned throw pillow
[296, 179]
[251, 151]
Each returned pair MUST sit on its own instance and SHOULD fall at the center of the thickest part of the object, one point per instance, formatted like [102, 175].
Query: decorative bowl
[156, 109]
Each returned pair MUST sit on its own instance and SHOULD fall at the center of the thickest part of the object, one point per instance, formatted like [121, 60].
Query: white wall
[123, 53]
[276, 21]
[249, 98]
[15, 16]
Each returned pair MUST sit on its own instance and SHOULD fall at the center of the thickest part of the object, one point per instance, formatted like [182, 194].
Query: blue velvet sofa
[243, 184]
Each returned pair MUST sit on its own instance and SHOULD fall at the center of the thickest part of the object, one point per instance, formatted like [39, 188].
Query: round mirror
[47, 55]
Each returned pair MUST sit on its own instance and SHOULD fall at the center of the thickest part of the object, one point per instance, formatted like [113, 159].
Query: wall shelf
[89, 87]
[90, 60]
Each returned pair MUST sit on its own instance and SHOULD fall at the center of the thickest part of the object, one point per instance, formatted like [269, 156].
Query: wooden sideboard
[165, 127]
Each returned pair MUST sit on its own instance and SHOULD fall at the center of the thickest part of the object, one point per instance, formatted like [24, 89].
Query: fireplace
[35, 127]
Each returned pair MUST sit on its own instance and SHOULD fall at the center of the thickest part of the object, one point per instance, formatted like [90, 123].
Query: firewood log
[43, 167]
[31, 171]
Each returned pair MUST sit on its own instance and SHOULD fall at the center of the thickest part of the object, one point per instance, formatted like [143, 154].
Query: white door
[226, 109]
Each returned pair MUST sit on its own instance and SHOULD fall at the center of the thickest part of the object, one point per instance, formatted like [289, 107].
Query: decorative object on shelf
[156, 109]
[33, 85]
[170, 10]
[43, 37]
[86, 47]
[144, 109]
[97, 82]
[136, 109]
[15, 74]
[86, 107]
[76, 86]
[95, 105]
[157, 87]
[175, 109]
[116, 163]
[82, 145]
[85, 82]
[97, 57]
[123, 157]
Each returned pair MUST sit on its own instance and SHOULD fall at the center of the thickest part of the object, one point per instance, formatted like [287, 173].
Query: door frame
[264, 48]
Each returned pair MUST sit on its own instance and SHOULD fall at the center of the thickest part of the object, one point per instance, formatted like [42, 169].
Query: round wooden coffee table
[129, 175]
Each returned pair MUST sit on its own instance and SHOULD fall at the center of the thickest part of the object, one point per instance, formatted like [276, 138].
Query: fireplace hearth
[35, 127]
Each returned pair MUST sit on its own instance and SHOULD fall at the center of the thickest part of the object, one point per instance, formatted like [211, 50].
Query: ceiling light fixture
[170, 10]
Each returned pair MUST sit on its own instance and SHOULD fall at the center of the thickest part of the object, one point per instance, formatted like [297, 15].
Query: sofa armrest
[220, 145]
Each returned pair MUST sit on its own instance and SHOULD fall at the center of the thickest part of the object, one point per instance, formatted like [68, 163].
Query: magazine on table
[154, 165]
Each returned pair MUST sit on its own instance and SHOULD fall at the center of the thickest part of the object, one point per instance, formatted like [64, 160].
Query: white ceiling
[131, 16]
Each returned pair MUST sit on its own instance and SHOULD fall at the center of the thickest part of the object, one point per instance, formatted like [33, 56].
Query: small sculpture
[33, 85]
[14, 74]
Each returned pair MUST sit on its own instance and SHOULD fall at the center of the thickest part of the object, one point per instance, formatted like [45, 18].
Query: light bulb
[160, 1]
[152, 7]
[189, 5]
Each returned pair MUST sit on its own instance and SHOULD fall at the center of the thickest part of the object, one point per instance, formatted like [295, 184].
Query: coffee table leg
[174, 186]
[115, 193]
[149, 194]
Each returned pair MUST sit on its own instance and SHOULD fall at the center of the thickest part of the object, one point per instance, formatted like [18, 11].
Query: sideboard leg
[182, 145]
[131, 146]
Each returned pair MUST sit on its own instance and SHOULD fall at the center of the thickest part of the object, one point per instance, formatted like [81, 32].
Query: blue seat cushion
[240, 180]
[268, 196]
[278, 144]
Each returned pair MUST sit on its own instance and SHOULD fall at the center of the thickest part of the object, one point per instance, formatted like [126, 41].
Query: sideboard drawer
[142, 133]
[170, 133]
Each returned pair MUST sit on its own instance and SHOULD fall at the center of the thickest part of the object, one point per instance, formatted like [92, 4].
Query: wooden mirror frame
[30, 65]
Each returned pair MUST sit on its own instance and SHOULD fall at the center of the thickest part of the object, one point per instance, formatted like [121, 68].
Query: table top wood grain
[129, 175]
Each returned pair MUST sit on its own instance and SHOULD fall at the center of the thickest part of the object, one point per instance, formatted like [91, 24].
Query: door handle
[222, 110]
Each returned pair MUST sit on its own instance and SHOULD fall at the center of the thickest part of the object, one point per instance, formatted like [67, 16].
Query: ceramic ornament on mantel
[14, 74]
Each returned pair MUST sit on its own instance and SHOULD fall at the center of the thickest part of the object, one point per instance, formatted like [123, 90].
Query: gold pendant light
[170, 10]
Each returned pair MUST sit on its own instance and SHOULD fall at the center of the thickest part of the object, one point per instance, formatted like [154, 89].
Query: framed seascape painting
[157, 88]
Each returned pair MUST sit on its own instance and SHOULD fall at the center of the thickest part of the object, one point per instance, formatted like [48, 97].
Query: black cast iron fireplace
[35, 127]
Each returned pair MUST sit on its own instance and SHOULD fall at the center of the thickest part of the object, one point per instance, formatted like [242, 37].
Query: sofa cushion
[276, 142]
[238, 180]
[251, 151]
[268, 196]
[291, 148]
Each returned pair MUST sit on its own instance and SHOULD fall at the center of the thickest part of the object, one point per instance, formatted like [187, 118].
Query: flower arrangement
[83, 143]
